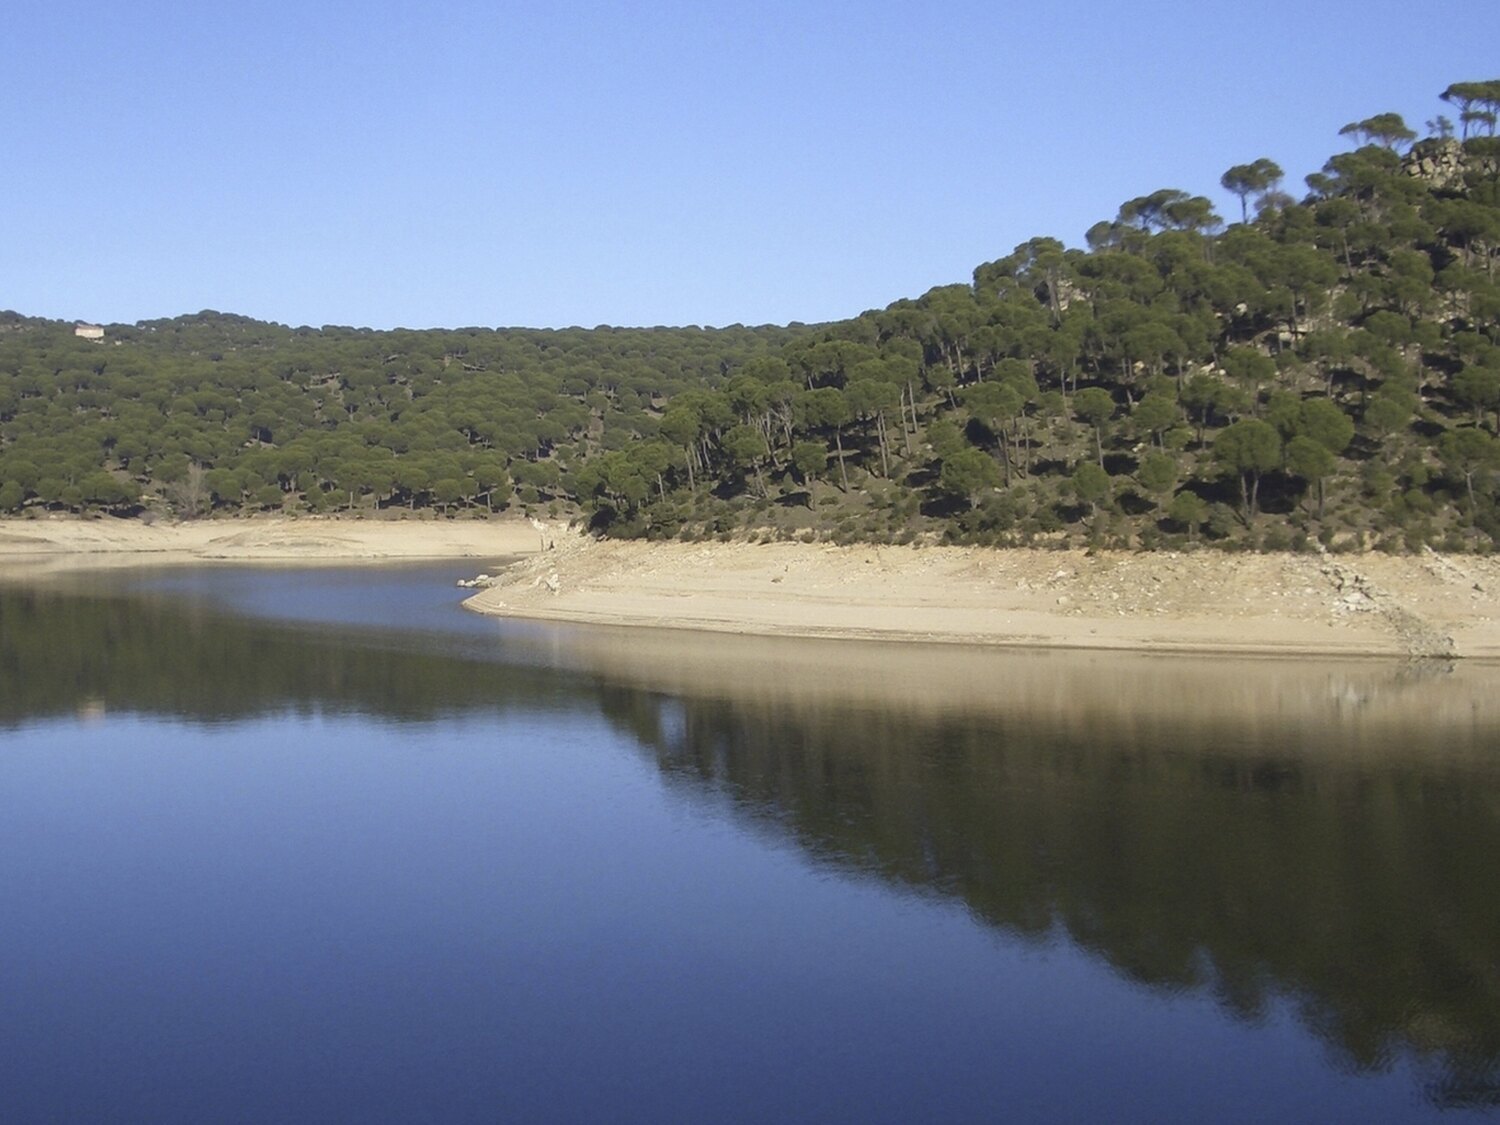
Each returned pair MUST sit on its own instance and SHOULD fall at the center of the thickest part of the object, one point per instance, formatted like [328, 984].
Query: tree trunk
[838, 441]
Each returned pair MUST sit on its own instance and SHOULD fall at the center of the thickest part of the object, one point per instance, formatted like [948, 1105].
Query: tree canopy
[1324, 370]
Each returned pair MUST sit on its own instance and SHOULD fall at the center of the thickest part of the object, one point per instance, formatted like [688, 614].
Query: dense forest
[1318, 371]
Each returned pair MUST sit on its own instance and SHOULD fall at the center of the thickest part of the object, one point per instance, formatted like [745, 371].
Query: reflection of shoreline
[1230, 701]
[1224, 702]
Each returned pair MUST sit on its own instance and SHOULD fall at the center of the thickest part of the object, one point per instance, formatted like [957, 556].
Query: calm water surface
[320, 845]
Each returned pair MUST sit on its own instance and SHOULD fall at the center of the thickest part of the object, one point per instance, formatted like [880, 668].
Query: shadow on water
[1323, 834]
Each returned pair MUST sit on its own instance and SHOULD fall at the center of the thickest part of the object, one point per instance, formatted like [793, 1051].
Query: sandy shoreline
[32, 548]
[1293, 605]
[1286, 605]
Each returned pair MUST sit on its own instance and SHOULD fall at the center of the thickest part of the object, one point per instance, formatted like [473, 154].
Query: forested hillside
[1325, 369]
[217, 412]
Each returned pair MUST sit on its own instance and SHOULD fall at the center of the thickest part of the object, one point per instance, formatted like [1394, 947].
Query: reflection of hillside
[1255, 830]
[1364, 890]
[1217, 704]
[67, 653]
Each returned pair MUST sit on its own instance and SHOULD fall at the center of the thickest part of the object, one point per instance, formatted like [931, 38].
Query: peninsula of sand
[1427, 605]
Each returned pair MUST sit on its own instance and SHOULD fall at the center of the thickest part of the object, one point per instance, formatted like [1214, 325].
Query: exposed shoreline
[38, 547]
[1170, 602]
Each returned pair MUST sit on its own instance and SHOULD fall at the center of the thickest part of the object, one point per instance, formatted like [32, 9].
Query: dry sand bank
[39, 546]
[1429, 605]
[1205, 601]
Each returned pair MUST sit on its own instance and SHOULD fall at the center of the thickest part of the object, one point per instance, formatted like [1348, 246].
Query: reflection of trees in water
[64, 654]
[1363, 890]
[1361, 885]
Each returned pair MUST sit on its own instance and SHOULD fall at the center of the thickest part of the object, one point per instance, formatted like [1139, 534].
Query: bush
[1276, 539]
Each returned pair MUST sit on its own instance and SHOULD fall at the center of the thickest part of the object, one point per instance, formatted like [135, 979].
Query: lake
[322, 845]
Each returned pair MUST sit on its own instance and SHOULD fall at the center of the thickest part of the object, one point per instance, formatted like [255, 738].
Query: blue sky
[449, 164]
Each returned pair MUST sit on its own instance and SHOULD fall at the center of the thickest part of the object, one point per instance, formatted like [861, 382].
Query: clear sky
[548, 164]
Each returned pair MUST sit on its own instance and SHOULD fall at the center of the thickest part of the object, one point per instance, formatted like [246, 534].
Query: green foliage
[1353, 337]
[945, 438]
[967, 474]
[1157, 473]
[1479, 389]
[1472, 456]
[1387, 129]
[1089, 483]
[1094, 406]
[1248, 449]
[810, 459]
[1189, 510]
[1259, 178]
[1311, 460]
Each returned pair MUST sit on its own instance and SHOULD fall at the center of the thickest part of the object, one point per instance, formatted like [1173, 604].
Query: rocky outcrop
[1440, 162]
[1449, 165]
